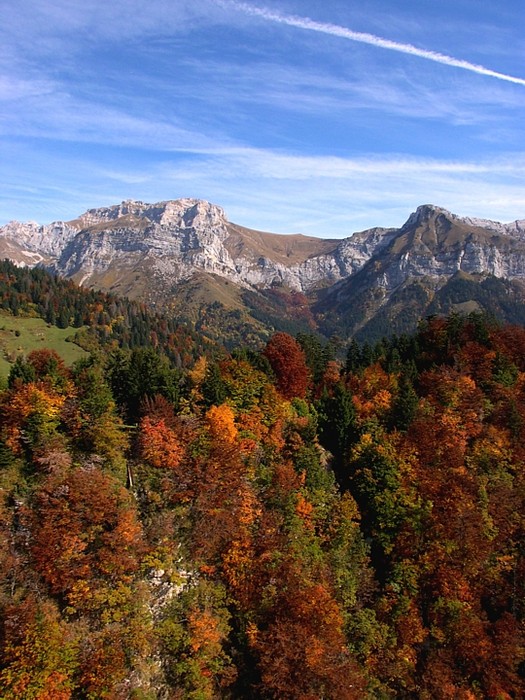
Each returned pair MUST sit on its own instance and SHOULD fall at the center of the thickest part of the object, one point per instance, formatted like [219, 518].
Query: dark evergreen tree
[338, 429]
[213, 388]
[63, 317]
[21, 371]
[316, 353]
[392, 360]
[256, 359]
[141, 373]
[94, 393]
[353, 356]
[404, 405]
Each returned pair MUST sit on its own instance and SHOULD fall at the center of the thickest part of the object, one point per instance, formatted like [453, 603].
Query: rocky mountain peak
[149, 251]
[181, 213]
[429, 214]
[425, 214]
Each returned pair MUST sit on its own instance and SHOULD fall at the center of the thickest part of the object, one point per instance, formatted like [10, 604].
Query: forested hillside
[104, 320]
[274, 524]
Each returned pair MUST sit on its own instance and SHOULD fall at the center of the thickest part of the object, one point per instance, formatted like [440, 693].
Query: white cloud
[13, 88]
[228, 123]
[52, 113]
[329, 197]
[334, 197]
[365, 38]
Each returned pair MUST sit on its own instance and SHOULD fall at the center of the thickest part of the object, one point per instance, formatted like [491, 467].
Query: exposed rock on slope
[149, 250]
[434, 250]
[171, 241]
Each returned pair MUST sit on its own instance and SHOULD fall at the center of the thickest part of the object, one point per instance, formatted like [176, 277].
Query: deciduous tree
[288, 362]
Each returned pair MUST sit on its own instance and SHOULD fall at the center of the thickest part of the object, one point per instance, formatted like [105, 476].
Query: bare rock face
[134, 244]
[34, 243]
[437, 244]
[171, 241]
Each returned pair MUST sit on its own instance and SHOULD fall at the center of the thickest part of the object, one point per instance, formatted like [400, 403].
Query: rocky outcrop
[437, 244]
[35, 243]
[168, 242]
[172, 240]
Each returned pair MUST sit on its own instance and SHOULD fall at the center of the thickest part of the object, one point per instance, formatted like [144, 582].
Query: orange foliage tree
[221, 424]
[301, 647]
[159, 444]
[194, 633]
[31, 416]
[86, 540]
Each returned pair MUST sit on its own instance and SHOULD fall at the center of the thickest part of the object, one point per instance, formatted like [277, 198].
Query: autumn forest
[297, 521]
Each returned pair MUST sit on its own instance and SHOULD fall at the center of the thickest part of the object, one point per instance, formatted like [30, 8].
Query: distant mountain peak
[425, 213]
[429, 212]
[155, 251]
[182, 212]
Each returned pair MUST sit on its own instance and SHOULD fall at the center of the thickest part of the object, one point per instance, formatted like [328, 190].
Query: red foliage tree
[159, 444]
[38, 655]
[48, 364]
[288, 361]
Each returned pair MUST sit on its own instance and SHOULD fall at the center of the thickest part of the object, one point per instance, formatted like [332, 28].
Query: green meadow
[19, 336]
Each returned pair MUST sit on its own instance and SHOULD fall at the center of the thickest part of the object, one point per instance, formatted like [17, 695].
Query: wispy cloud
[263, 189]
[316, 91]
[51, 113]
[103, 101]
[72, 23]
[365, 38]
[334, 197]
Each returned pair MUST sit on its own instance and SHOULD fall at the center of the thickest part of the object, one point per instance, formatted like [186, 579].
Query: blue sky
[296, 116]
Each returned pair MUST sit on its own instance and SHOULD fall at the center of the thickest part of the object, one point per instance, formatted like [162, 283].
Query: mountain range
[185, 257]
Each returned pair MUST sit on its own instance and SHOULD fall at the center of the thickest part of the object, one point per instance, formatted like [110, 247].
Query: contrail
[364, 38]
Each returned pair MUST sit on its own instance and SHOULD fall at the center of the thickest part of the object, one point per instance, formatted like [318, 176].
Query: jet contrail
[364, 38]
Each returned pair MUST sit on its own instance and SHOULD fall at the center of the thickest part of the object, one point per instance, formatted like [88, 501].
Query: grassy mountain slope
[20, 336]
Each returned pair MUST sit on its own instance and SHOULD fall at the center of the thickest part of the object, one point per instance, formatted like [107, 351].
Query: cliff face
[435, 243]
[147, 250]
[173, 240]
[31, 244]
[435, 263]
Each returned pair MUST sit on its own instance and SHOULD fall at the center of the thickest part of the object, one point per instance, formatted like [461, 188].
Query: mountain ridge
[152, 251]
